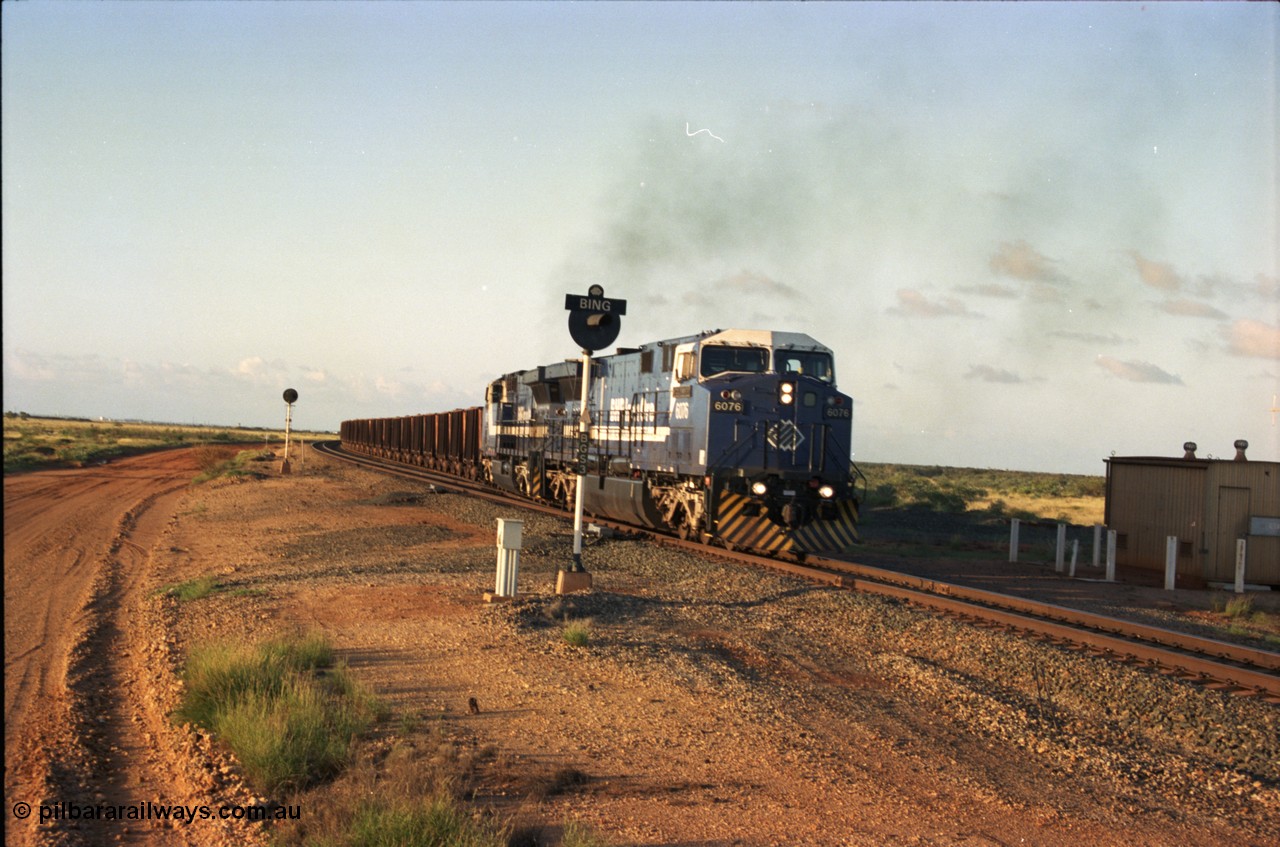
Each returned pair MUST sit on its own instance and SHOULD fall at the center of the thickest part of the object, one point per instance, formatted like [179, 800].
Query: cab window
[721, 359]
[805, 363]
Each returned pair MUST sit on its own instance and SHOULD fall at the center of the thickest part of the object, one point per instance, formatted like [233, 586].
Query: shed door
[1233, 522]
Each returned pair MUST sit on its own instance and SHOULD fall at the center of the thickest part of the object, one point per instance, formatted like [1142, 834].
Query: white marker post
[1013, 541]
[510, 537]
[1170, 562]
[1111, 555]
[1060, 555]
[1240, 555]
[1097, 544]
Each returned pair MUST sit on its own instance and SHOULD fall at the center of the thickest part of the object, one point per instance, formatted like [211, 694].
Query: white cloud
[1247, 337]
[1184, 307]
[987, 373]
[1020, 260]
[1138, 371]
[1160, 275]
[913, 303]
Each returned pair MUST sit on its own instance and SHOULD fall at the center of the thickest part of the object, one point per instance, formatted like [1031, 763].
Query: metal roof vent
[1241, 446]
[1190, 447]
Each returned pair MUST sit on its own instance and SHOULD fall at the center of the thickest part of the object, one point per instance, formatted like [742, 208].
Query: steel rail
[1205, 660]
[1076, 617]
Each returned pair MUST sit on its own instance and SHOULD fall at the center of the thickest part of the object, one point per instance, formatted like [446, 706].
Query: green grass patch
[577, 634]
[287, 711]
[429, 822]
[1239, 607]
[580, 835]
[192, 589]
[219, 462]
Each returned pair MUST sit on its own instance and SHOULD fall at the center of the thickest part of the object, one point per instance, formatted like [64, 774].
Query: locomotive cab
[778, 435]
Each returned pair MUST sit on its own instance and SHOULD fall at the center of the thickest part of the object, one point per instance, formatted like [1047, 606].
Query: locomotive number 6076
[735, 436]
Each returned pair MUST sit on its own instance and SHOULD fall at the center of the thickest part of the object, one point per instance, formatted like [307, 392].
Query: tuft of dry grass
[406, 796]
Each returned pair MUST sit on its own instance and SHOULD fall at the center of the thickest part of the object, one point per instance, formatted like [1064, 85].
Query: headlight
[826, 492]
[786, 393]
[759, 489]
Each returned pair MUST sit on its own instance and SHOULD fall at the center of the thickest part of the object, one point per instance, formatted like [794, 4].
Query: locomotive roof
[765, 338]
[752, 338]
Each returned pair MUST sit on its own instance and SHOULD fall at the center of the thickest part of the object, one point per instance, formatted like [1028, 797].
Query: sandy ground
[712, 707]
[61, 530]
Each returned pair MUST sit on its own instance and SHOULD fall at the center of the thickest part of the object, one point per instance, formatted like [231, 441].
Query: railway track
[1215, 664]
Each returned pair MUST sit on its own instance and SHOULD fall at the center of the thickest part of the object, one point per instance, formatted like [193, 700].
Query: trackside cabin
[1207, 504]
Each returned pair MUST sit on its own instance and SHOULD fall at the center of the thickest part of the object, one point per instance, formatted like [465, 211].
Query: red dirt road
[70, 537]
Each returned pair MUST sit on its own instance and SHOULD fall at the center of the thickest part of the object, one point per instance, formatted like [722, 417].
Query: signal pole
[584, 441]
[290, 397]
[593, 324]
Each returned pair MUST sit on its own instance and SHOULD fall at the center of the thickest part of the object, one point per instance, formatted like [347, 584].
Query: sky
[1035, 234]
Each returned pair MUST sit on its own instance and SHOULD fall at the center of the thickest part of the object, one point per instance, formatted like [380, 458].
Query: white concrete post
[1170, 562]
[1097, 544]
[1013, 540]
[1075, 552]
[509, 542]
[1060, 556]
[1111, 555]
[1240, 556]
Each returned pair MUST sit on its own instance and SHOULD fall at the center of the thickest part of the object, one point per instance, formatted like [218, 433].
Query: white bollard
[1111, 555]
[1097, 544]
[1060, 555]
[1240, 554]
[509, 541]
[1170, 562]
[1013, 540]
[1075, 552]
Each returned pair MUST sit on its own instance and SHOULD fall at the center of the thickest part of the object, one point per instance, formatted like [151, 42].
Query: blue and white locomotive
[736, 435]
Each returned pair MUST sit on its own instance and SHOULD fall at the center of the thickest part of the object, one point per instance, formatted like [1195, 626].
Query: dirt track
[78, 725]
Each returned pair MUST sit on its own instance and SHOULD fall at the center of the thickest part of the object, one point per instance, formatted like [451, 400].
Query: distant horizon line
[104, 419]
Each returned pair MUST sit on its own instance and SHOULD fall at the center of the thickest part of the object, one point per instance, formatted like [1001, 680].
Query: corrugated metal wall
[1207, 504]
[1235, 492]
[1146, 503]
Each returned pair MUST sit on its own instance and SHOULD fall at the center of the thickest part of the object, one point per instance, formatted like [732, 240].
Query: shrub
[577, 634]
[287, 713]
[403, 797]
[1238, 607]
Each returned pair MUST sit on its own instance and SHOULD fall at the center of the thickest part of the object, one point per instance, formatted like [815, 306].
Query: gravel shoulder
[712, 705]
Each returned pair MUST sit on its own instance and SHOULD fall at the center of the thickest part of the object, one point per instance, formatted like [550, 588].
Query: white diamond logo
[784, 435]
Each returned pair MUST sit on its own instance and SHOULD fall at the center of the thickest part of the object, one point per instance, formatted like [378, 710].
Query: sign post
[593, 325]
[290, 397]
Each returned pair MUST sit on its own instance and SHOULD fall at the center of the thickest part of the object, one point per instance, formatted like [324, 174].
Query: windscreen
[720, 359]
[805, 363]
